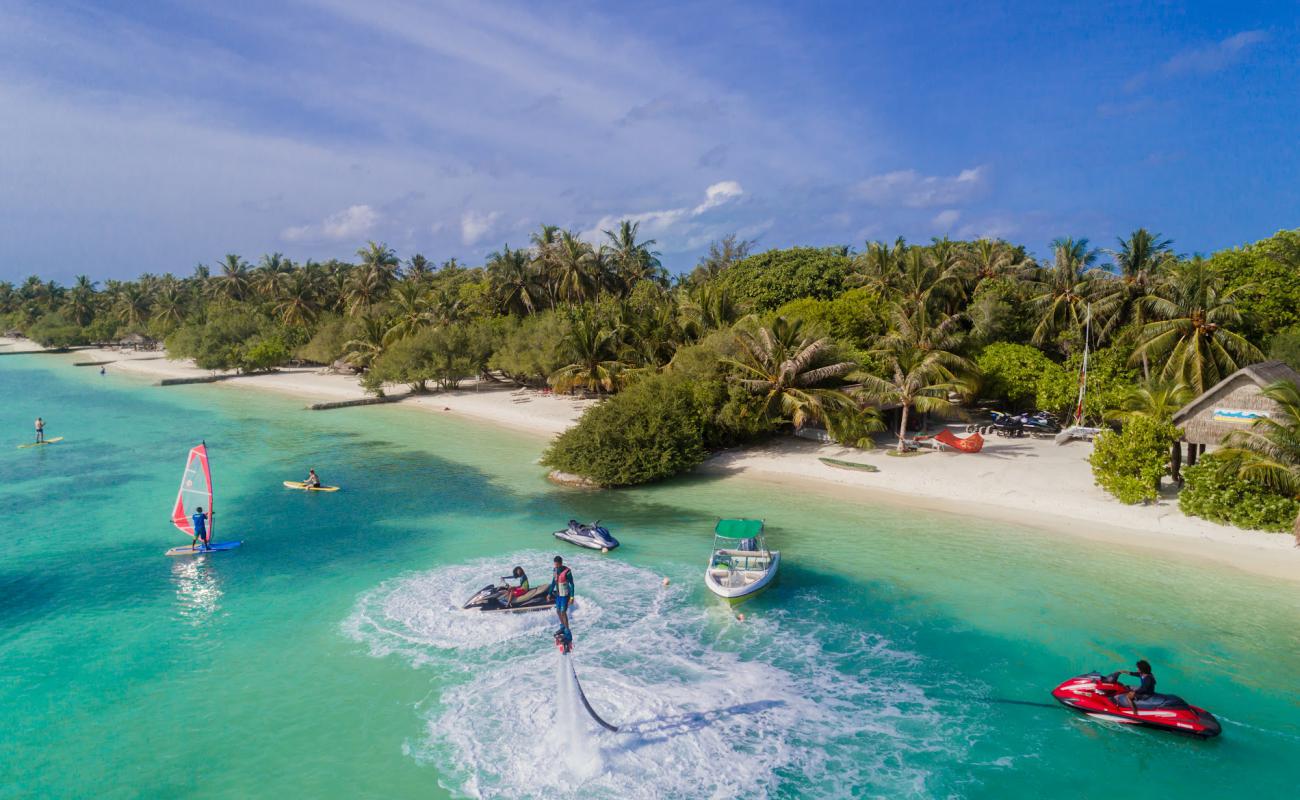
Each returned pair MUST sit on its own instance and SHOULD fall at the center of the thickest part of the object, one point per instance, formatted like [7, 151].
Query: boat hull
[739, 594]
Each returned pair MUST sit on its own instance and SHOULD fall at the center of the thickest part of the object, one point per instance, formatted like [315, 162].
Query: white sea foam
[707, 706]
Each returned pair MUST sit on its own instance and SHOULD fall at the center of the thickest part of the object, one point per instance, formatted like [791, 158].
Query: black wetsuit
[1146, 686]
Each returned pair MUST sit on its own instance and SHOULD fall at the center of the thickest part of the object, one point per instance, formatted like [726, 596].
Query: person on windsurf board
[202, 538]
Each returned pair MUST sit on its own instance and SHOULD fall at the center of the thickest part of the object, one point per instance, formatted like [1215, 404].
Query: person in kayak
[515, 591]
[40, 430]
[562, 590]
[1146, 683]
[313, 480]
[201, 535]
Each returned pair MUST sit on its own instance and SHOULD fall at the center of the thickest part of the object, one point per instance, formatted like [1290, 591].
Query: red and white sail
[195, 491]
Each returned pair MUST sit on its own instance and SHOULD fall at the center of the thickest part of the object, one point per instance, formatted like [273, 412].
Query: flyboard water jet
[564, 643]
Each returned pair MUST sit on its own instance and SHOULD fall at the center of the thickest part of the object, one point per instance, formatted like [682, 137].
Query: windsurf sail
[195, 492]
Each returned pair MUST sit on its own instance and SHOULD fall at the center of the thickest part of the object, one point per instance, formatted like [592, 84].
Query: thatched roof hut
[137, 341]
[1233, 403]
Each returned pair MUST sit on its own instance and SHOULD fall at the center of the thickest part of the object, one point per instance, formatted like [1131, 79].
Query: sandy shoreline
[1022, 481]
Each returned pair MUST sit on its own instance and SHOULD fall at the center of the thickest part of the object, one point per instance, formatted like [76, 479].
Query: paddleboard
[38, 444]
[305, 487]
[186, 550]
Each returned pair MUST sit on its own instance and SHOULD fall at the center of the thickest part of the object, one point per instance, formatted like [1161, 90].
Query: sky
[151, 136]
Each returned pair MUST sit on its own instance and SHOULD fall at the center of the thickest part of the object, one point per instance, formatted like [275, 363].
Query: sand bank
[1026, 481]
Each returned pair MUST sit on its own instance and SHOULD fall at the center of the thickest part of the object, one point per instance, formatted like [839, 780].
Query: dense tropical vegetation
[744, 345]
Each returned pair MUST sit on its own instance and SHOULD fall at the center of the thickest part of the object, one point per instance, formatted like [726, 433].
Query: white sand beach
[1026, 481]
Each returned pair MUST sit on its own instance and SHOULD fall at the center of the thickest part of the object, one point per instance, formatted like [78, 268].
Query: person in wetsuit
[1146, 683]
[516, 591]
[201, 535]
[562, 590]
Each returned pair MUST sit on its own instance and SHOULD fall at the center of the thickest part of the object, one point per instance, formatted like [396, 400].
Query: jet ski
[496, 597]
[1104, 697]
[592, 536]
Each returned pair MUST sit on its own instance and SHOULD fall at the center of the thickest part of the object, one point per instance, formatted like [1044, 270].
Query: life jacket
[563, 582]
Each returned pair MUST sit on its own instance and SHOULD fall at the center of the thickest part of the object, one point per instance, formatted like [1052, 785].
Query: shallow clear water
[900, 654]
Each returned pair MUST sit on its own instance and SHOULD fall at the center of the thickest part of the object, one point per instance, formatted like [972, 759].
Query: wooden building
[1230, 405]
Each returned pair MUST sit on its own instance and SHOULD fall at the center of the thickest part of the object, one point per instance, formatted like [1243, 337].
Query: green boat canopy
[739, 528]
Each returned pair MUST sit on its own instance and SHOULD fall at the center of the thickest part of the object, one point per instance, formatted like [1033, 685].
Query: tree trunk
[1146, 368]
[1295, 530]
[1192, 452]
[1176, 462]
[902, 429]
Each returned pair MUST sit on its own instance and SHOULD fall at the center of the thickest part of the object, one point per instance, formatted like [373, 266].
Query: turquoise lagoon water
[902, 654]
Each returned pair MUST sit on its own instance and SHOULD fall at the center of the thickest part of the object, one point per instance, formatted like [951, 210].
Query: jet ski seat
[1153, 701]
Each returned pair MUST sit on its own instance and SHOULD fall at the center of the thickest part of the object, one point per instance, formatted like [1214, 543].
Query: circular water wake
[707, 707]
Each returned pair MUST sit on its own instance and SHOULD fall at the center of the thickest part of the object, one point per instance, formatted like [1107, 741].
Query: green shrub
[1013, 372]
[1285, 347]
[1212, 490]
[261, 354]
[857, 317]
[771, 279]
[56, 331]
[534, 349]
[651, 430]
[1131, 463]
[327, 343]
[1109, 381]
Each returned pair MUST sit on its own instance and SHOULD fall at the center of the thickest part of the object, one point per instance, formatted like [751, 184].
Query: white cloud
[911, 189]
[719, 194]
[945, 219]
[1204, 60]
[474, 225]
[661, 221]
[350, 223]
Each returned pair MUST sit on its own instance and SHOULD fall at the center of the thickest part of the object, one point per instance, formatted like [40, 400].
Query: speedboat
[592, 536]
[1104, 697]
[741, 565]
[496, 597]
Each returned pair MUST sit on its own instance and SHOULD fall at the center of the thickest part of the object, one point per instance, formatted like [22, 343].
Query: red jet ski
[1104, 697]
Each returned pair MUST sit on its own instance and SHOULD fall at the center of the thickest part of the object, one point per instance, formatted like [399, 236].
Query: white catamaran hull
[737, 585]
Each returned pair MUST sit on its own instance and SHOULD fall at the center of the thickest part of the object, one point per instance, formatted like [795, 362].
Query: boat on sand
[741, 565]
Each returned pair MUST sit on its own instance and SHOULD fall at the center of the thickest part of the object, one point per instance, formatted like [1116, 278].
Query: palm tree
[1191, 332]
[709, 307]
[921, 364]
[514, 281]
[879, 266]
[169, 303]
[297, 301]
[271, 275]
[632, 261]
[81, 300]
[234, 281]
[595, 365]
[1157, 400]
[132, 305]
[990, 260]
[789, 369]
[1061, 293]
[1140, 261]
[412, 307]
[365, 287]
[1269, 452]
[576, 269]
[379, 264]
[418, 268]
[369, 343]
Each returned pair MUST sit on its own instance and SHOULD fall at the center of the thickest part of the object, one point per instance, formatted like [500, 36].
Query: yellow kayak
[38, 444]
[305, 487]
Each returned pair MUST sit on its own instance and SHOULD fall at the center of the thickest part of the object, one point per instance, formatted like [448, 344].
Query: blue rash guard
[201, 527]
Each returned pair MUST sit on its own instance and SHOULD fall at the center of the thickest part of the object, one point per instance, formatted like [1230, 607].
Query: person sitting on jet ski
[516, 591]
[1147, 683]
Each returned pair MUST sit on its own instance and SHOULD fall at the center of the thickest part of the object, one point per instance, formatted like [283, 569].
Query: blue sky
[151, 136]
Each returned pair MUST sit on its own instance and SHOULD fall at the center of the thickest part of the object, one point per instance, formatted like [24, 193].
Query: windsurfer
[40, 430]
[201, 536]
